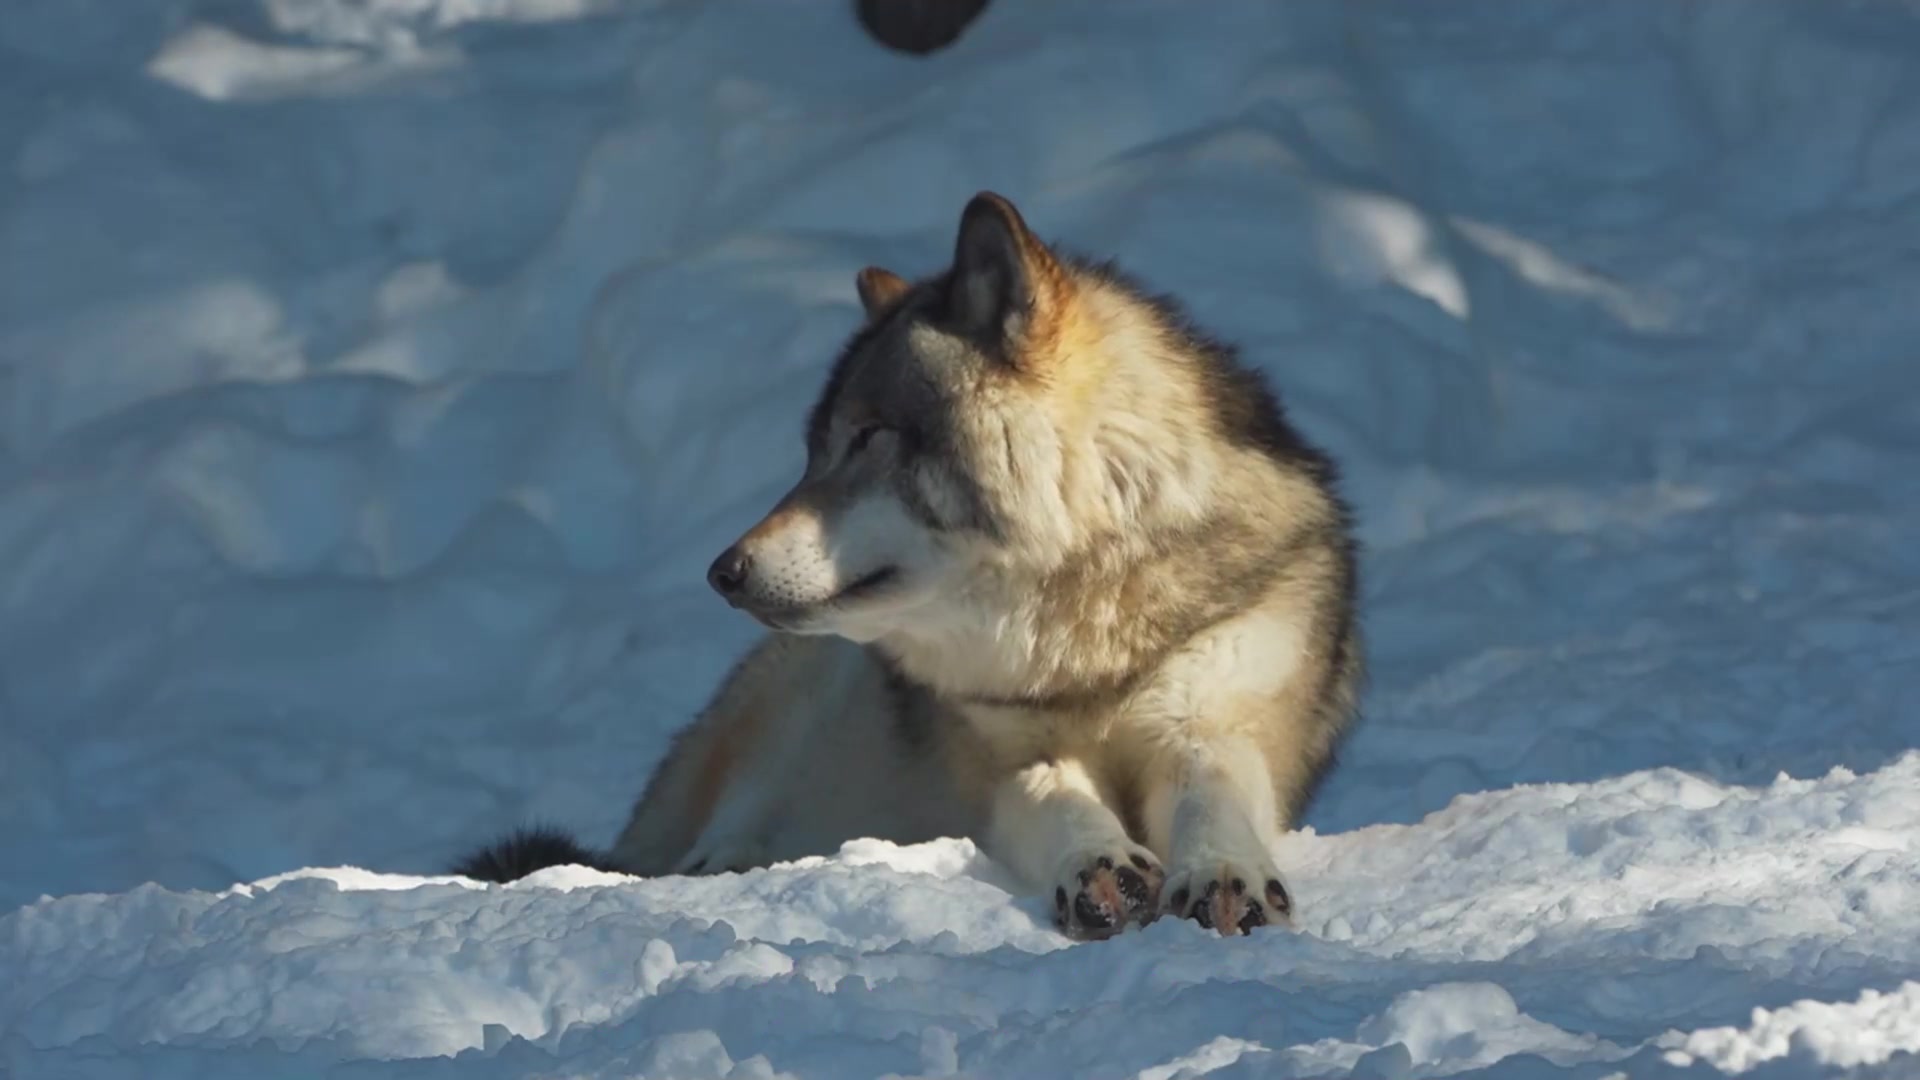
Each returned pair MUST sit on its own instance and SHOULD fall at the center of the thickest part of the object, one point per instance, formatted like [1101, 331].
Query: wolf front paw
[1229, 897]
[1100, 893]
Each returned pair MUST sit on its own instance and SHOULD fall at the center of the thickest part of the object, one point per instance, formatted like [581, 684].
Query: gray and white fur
[1059, 576]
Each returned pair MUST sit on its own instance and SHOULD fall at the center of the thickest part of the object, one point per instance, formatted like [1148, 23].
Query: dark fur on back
[1240, 398]
[526, 851]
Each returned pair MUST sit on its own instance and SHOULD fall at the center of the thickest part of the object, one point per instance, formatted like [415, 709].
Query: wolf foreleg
[1210, 806]
[1052, 826]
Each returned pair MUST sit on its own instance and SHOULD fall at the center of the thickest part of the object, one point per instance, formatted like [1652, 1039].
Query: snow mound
[1867, 1031]
[377, 377]
[1433, 949]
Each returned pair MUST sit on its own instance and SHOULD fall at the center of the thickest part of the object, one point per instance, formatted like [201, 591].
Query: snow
[378, 376]
[1868, 1031]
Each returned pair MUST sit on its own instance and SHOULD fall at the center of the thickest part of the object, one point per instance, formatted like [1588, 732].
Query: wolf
[1059, 576]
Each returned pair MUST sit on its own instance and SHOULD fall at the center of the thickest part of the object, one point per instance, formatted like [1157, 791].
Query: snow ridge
[377, 378]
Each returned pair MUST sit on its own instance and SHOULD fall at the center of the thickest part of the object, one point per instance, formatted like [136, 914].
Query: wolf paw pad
[1101, 894]
[1229, 899]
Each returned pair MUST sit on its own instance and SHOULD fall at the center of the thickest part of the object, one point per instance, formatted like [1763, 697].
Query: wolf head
[989, 424]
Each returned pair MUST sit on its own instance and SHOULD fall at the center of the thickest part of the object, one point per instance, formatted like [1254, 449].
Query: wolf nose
[729, 572]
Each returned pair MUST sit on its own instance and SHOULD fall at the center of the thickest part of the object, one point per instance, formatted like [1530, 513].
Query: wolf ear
[879, 289]
[1003, 276]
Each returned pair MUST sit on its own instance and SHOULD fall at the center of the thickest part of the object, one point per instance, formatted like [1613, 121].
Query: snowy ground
[378, 376]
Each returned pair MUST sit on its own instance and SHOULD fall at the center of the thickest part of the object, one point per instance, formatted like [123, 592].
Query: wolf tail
[528, 850]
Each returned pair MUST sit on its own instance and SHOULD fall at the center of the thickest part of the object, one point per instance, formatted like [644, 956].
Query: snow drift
[377, 377]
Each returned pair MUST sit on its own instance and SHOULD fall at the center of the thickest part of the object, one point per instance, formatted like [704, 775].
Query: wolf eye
[862, 437]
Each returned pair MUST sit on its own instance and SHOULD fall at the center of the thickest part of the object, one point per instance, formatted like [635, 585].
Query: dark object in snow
[917, 26]
[526, 851]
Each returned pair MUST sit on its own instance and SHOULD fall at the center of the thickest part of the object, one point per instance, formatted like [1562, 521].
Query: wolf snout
[728, 574]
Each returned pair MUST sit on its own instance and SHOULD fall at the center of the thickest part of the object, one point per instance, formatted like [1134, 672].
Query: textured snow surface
[377, 378]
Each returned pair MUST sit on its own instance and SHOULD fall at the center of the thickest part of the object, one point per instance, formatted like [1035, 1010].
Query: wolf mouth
[793, 619]
[879, 579]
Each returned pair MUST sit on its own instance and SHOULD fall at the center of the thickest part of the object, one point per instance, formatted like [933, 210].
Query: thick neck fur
[1142, 526]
